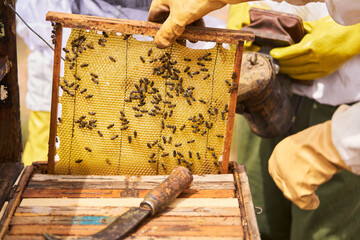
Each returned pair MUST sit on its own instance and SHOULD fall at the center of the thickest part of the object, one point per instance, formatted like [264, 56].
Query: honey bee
[190, 154]
[161, 147]
[142, 59]
[100, 134]
[79, 161]
[210, 148]
[91, 46]
[163, 165]
[108, 161]
[233, 76]
[89, 96]
[94, 75]
[129, 138]
[164, 139]
[165, 155]
[214, 155]
[149, 52]
[170, 139]
[149, 145]
[83, 91]
[182, 127]
[110, 126]
[84, 65]
[178, 144]
[187, 69]
[76, 77]
[135, 134]
[191, 141]
[114, 137]
[112, 59]
[180, 154]
[105, 34]
[206, 77]
[66, 50]
[152, 161]
[220, 136]
[174, 153]
[198, 156]
[124, 128]
[87, 149]
[126, 37]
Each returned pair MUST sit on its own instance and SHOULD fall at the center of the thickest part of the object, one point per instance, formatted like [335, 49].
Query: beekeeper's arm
[177, 14]
[302, 162]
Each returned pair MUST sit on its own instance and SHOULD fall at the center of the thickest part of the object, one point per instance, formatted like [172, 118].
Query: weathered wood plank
[111, 178]
[116, 193]
[106, 220]
[232, 107]
[15, 200]
[145, 230]
[39, 237]
[127, 202]
[146, 28]
[10, 125]
[55, 98]
[4, 67]
[225, 182]
[122, 185]
[251, 223]
[9, 172]
[116, 211]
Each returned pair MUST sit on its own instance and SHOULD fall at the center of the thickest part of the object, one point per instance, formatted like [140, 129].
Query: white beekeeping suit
[40, 60]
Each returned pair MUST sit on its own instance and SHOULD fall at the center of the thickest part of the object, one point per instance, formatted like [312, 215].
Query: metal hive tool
[129, 108]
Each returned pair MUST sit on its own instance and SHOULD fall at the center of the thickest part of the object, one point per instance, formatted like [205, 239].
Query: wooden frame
[148, 29]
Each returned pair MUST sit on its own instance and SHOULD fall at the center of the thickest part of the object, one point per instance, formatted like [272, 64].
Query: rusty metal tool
[154, 202]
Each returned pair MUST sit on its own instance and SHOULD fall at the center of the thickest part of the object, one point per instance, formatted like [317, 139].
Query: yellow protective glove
[323, 50]
[176, 14]
[302, 162]
[36, 148]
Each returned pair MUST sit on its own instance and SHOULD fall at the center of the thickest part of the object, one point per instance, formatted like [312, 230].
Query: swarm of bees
[150, 102]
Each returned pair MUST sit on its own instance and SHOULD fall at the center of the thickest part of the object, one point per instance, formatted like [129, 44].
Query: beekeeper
[306, 161]
[39, 79]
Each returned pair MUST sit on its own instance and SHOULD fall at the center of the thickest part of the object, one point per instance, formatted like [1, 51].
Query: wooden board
[146, 28]
[215, 207]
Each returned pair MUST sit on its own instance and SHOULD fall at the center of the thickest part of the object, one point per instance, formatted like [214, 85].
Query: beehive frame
[131, 27]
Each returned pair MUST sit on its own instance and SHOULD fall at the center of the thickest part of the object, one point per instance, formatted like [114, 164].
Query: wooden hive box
[215, 207]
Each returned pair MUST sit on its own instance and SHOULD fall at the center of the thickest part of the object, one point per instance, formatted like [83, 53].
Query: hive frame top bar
[147, 28]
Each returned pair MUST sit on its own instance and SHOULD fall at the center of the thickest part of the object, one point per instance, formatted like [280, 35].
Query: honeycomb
[129, 108]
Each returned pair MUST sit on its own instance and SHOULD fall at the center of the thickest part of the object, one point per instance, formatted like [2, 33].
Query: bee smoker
[262, 100]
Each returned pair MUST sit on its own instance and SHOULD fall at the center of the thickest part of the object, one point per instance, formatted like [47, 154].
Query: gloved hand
[302, 162]
[324, 49]
[176, 14]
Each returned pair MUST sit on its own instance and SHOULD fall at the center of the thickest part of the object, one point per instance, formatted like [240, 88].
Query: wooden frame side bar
[55, 98]
[232, 107]
[146, 28]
